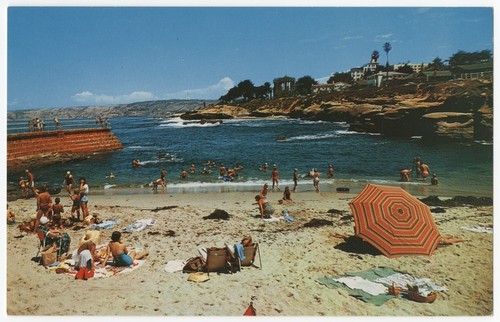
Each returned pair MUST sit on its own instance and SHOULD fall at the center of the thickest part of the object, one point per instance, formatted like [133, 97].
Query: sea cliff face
[460, 109]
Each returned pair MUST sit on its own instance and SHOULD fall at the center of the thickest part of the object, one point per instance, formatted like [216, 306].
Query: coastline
[293, 258]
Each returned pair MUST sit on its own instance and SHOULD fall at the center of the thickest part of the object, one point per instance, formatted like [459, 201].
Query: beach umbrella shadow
[356, 245]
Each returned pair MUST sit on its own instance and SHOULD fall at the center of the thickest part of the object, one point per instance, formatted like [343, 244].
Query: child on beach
[57, 210]
[75, 197]
[287, 196]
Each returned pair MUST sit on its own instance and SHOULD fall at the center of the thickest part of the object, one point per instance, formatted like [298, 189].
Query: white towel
[357, 282]
[175, 266]
[478, 229]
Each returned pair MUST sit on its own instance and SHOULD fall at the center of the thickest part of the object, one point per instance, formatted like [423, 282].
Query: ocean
[358, 158]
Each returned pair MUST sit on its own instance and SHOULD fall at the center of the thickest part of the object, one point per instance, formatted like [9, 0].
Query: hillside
[458, 109]
[150, 108]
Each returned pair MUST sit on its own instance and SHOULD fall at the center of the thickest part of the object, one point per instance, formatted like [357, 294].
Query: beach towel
[272, 219]
[384, 276]
[175, 266]
[238, 249]
[106, 224]
[478, 229]
[139, 225]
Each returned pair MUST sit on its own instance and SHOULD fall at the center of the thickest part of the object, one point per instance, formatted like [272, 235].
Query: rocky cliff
[160, 108]
[460, 109]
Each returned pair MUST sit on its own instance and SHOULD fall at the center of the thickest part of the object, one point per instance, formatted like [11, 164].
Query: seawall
[36, 149]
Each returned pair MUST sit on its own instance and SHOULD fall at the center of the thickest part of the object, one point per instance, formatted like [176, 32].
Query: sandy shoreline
[293, 258]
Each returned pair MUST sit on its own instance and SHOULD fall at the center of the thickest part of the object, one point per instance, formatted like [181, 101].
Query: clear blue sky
[73, 56]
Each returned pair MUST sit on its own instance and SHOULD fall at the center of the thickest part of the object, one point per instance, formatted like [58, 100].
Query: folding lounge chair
[250, 252]
[219, 259]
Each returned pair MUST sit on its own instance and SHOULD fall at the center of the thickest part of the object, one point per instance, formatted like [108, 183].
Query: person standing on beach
[69, 180]
[43, 205]
[265, 188]
[274, 178]
[31, 180]
[316, 180]
[75, 197]
[295, 178]
[84, 199]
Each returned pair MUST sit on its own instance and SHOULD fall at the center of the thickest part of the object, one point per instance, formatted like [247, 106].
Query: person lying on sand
[121, 256]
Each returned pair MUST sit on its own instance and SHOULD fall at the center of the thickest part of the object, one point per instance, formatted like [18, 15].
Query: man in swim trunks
[31, 180]
[43, 204]
[121, 256]
[425, 170]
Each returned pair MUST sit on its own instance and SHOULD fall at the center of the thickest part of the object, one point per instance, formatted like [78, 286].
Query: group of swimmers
[422, 171]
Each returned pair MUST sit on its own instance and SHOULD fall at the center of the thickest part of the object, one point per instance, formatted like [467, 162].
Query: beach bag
[49, 255]
[193, 265]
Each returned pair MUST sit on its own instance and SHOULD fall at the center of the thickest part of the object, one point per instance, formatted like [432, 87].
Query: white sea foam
[313, 137]
[346, 132]
[109, 186]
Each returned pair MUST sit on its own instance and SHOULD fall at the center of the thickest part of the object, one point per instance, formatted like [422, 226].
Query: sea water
[358, 158]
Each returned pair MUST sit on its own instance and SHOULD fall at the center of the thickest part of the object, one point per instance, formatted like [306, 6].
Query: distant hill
[149, 108]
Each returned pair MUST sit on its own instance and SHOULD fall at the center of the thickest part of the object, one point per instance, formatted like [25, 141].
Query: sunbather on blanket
[121, 256]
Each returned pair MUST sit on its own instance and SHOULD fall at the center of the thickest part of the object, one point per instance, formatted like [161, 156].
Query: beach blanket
[175, 266]
[106, 224]
[478, 229]
[109, 270]
[361, 284]
[139, 225]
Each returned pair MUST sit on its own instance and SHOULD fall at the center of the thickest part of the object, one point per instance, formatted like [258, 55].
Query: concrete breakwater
[36, 149]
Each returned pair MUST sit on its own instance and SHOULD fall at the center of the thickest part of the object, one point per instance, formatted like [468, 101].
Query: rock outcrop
[460, 109]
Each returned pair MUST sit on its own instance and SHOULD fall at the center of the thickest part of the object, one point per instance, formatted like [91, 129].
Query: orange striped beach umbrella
[394, 222]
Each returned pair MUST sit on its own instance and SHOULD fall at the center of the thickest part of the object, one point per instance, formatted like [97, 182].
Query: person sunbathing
[121, 256]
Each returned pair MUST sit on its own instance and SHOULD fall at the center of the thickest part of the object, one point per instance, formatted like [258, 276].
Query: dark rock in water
[355, 244]
[218, 214]
[458, 201]
[318, 223]
[438, 210]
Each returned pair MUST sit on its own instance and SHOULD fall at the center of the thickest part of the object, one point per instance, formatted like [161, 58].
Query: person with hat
[60, 238]
[69, 180]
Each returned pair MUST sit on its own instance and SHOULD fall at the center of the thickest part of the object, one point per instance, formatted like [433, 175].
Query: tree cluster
[246, 91]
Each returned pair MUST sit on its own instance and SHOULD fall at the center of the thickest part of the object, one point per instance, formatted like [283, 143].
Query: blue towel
[286, 216]
[106, 224]
[238, 249]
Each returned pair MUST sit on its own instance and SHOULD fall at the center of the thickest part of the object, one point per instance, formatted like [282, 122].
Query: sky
[78, 56]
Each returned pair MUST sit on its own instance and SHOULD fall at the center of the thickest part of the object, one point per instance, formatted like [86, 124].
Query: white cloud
[384, 36]
[352, 37]
[87, 97]
[322, 80]
[210, 92]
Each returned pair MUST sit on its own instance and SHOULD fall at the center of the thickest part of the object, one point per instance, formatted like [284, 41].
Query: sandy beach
[293, 258]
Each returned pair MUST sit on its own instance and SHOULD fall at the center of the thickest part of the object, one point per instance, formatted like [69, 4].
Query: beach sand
[293, 258]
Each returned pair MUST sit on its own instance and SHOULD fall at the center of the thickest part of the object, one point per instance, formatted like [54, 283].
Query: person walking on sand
[295, 178]
[69, 180]
[316, 180]
[274, 178]
[120, 253]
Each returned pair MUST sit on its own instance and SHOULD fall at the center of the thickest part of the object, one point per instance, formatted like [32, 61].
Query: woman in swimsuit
[121, 256]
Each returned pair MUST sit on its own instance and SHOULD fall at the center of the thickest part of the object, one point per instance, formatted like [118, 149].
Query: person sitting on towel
[86, 256]
[121, 256]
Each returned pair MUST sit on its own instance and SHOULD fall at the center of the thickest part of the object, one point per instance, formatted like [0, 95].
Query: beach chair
[43, 244]
[219, 259]
[250, 253]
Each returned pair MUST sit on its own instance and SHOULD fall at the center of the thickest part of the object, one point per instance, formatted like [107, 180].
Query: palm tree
[387, 48]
